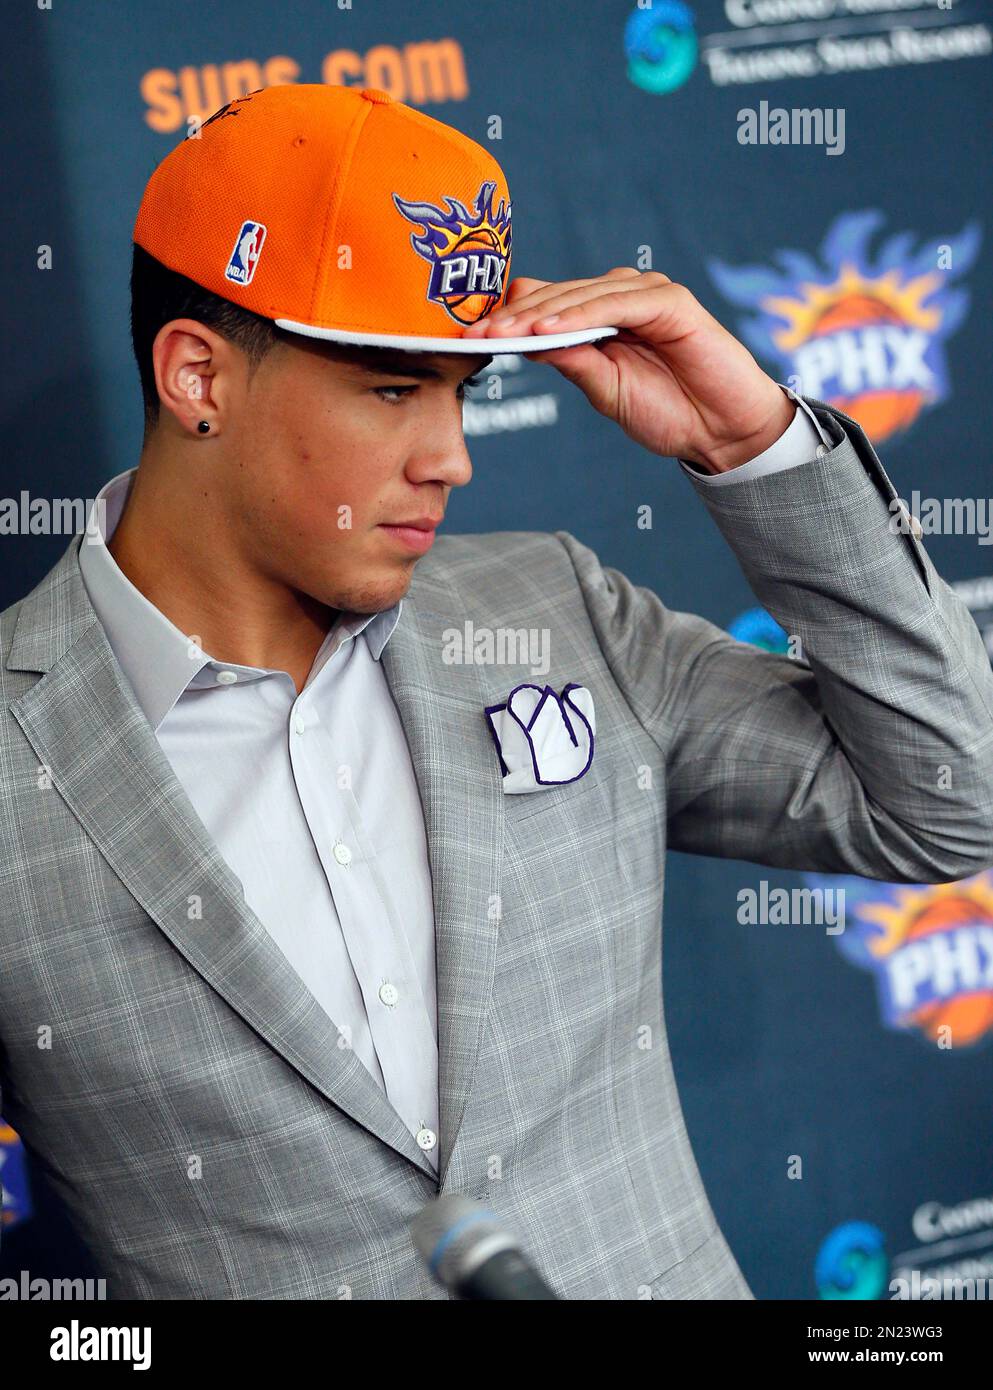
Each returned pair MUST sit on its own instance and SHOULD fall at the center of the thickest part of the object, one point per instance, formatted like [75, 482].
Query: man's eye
[385, 392]
[468, 384]
[392, 395]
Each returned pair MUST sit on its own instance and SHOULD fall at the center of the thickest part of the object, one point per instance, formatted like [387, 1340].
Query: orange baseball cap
[341, 214]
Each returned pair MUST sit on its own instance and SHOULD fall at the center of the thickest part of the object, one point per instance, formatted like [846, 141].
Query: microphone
[469, 1252]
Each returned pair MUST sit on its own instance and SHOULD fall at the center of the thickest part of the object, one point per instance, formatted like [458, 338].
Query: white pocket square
[543, 739]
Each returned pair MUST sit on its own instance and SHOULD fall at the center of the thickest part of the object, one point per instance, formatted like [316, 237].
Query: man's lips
[420, 523]
[416, 535]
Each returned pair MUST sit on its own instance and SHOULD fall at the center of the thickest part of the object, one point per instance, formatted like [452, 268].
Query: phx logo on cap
[468, 252]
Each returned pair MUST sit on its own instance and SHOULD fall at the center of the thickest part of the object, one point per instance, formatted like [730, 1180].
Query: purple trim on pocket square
[489, 711]
[576, 685]
[561, 701]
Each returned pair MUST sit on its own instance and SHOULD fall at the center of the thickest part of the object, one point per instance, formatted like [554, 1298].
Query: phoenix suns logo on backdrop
[930, 949]
[468, 252]
[15, 1194]
[865, 333]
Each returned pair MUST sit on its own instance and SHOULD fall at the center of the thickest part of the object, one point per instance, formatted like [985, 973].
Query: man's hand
[673, 378]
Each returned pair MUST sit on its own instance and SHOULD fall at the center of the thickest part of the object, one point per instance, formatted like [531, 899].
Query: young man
[282, 958]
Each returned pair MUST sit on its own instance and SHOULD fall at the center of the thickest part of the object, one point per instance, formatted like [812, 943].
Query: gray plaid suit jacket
[185, 1093]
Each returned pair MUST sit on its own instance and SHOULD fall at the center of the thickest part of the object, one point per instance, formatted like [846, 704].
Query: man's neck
[168, 545]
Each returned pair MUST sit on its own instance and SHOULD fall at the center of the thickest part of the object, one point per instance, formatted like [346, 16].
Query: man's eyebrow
[390, 365]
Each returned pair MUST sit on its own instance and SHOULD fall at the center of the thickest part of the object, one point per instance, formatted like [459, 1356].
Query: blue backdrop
[857, 269]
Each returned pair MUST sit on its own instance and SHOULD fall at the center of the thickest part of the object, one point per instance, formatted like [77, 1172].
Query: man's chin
[372, 597]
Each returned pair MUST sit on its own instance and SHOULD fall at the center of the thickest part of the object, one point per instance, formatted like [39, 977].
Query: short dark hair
[159, 294]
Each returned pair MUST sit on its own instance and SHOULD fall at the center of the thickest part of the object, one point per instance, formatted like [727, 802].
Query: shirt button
[299, 723]
[342, 853]
[389, 994]
[426, 1138]
[821, 450]
[226, 677]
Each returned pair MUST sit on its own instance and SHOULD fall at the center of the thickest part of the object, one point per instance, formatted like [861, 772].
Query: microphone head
[455, 1235]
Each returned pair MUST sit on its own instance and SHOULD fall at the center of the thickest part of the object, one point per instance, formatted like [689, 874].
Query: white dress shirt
[312, 800]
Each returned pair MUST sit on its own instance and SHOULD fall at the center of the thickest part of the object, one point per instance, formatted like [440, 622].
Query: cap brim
[534, 342]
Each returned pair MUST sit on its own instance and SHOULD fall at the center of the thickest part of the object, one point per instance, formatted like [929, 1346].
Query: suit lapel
[85, 725]
[441, 706]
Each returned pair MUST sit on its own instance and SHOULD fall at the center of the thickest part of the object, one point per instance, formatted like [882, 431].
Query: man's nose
[442, 455]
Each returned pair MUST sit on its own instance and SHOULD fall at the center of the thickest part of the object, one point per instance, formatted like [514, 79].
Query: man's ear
[187, 357]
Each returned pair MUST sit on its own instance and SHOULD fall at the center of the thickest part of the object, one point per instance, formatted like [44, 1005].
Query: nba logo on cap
[245, 256]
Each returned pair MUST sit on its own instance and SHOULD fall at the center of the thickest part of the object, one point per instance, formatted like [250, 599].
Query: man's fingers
[621, 301]
[525, 294]
[542, 291]
[522, 287]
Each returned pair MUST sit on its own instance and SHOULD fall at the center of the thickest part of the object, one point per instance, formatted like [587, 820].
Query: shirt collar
[159, 661]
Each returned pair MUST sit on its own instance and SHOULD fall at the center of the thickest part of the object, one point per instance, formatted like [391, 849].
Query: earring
[203, 427]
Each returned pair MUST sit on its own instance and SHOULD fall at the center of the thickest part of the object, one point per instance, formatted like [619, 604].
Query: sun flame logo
[15, 1193]
[468, 252]
[930, 948]
[866, 335]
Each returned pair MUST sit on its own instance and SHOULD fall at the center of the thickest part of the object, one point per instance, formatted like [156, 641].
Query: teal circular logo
[661, 46]
[851, 1262]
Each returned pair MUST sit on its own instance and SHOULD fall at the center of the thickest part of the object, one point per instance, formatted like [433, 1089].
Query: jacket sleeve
[872, 754]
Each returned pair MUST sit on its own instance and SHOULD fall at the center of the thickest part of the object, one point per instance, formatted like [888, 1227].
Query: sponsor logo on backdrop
[16, 1203]
[467, 252]
[661, 46]
[419, 73]
[951, 1259]
[863, 332]
[774, 40]
[852, 1263]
